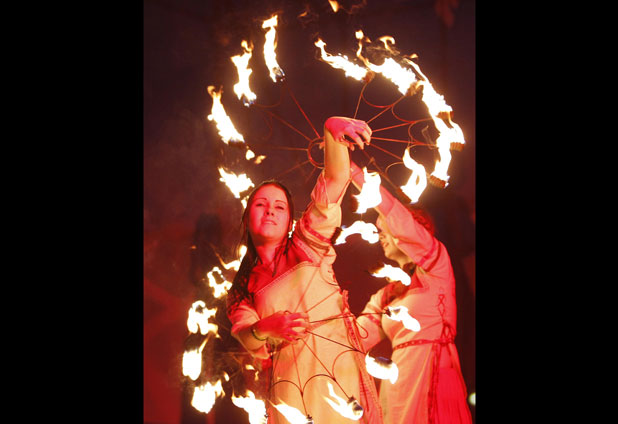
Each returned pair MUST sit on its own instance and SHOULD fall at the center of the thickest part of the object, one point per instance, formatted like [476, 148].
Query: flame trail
[400, 313]
[342, 62]
[349, 409]
[276, 73]
[222, 120]
[418, 179]
[255, 408]
[241, 88]
[382, 368]
[369, 196]
[368, 232]
[205, 395]
[393, 274]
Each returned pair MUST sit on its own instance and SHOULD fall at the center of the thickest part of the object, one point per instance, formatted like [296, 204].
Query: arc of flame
[382, 368]
[349, 409]
[198, 319]
[224, 124]
[418, 178]
[204, 396]
[276, 73]
[219, 289]
[369, 196]
[241, 88]
[400, 313]
[393, 273]
[342, 62]
[255, 408]
[236, 183]
[293, 415]
[368, 232]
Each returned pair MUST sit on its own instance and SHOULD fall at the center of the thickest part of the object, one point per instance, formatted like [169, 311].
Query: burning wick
[392, 273]
[369, 196]
[382, 368]
[368, 232]
[400, 313]
[276, 74]
[205, 395]
[418, 179]
[293, 415]
[242, 90]
[350, 409]
[255, 408]
[222, 120]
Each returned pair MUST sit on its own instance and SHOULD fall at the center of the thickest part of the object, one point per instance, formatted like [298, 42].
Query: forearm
[251, 338]
[336, 164]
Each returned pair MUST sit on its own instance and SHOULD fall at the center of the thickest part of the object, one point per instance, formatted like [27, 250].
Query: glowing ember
[198, 318]
[224, 123]
[368, 232]
[276, 74]
[418, 179]
[204, 396]
[393, 274]
[236, 183]
[369, 196]
[255, 408]
[293, 415]
[382, 368]
[400, 313]
[219, 289]
[242, 90]
[192, 363]
[342, 62]
[334, 5]
[349, 409]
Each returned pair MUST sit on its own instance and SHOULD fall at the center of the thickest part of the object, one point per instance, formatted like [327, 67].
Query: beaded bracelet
[255, 335]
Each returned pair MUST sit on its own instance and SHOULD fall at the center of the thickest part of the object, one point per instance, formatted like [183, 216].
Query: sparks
[276, 73]
[369, 196]
[368, 232]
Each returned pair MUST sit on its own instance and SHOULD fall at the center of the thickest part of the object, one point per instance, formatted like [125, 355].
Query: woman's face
[391, 251]
[268, 219]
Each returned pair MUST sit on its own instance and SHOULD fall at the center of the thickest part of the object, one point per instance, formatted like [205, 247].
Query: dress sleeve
[242, 316]
[322, 216]
[414, 240]
[370, 321]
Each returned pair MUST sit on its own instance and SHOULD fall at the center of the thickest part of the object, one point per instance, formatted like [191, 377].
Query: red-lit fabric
[419, 395]
[305, 282]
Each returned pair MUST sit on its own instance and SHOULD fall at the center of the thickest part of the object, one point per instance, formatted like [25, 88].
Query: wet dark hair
[239, 290]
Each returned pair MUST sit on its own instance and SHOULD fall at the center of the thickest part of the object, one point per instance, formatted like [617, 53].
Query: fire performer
[285, 305]
[430, 387]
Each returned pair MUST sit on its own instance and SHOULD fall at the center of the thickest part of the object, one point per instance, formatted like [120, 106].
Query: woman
[285, 304]
[430, 387]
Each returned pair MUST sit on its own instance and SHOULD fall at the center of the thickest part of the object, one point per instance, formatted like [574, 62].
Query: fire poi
[408, 79]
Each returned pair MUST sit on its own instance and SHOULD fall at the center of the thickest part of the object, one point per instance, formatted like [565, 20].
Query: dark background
[187, 47]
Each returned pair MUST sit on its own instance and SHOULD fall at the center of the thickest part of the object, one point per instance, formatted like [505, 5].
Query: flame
[393, 274]
[382, 368]
[219, 289]
[252, 406]
[368, 232]
[276, 74]
[342, 62]
[369, 196]
[400, 313]
[235, 264]
[205, 395]
[349, 409]
[236, 183]
[198, 317]
[242, 90]
[418, 179]
[224, 123]
[334, 5]
[192, 363]
[293, 415]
